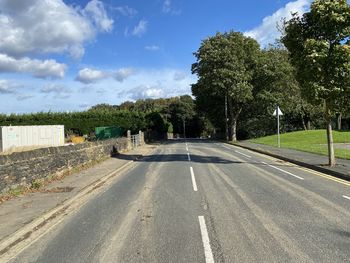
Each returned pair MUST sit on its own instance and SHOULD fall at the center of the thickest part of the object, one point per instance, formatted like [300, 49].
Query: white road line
[301, 178]
[193, 180]
[186, 148]
[226, 147]
[189, 157]
[205, 239]
[243, 154]
[346, 197]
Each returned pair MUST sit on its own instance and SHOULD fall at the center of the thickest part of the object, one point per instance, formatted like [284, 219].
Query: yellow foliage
[77, 139]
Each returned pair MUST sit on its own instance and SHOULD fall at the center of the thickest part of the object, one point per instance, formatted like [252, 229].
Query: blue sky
[69, 55]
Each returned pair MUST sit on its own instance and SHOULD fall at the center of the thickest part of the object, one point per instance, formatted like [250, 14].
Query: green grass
[314, 141]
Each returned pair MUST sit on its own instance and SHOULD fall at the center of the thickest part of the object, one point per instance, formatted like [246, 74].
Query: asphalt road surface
[201, 201]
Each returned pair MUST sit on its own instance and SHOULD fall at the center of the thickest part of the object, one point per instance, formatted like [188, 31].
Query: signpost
[278, 113]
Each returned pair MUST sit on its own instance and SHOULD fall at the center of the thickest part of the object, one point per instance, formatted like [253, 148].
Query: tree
[224, 67]
[318, 43]
[182, 112]
[275, 84]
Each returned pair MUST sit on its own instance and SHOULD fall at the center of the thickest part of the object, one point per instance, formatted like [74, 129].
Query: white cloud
[140, 28]
[88, 76]
[22, 97]
[38, 68]
[268, 32]
[152, 48]
[59, 91]
[122, 74]
[168, 9]
[7, 87]
[84, 105]
[180, 75]
[156, 84]
[146, 92]
[126, 11]
[13, 88]
[96, 11]
[167, 6]
[36, 26]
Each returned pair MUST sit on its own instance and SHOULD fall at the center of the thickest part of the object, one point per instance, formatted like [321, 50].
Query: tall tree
[275, 84]
[318, 43]
[224, 66]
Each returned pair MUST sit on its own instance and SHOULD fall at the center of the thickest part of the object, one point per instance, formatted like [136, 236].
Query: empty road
[202, 201]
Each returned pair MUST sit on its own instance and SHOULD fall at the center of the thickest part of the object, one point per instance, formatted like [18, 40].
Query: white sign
[279, 112]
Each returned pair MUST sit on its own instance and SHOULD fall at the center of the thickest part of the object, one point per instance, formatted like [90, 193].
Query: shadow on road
[175, 158]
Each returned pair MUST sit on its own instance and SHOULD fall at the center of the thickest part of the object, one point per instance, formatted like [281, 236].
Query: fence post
[141, 139]
[128, 135]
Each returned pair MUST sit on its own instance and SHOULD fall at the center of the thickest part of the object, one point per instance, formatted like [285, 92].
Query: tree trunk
[303, 122]
[328, 118]
[233, 113]
[233, 131]
[308, 125]
[233, 127]
[339, 121]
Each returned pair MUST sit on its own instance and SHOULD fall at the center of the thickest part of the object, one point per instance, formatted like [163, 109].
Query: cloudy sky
[67, 55]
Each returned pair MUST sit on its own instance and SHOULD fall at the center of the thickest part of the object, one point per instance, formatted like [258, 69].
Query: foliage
[319, 46]
[159, 116]
[275, 84]
[79, 122]
[318, 43]
[224, 67]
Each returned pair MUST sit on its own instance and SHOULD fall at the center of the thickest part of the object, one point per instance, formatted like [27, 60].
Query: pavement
[313, 161]
[202, 201]
[19, 212]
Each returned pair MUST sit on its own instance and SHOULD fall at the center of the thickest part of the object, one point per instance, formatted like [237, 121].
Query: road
[201, 201]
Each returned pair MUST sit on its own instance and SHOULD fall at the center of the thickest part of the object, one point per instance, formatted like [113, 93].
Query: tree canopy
[318, 43]
[224, 68]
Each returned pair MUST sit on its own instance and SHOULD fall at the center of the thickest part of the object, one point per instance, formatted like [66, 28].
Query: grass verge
[314, 141]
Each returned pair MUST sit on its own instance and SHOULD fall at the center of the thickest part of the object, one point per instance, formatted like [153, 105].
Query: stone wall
[24, 167]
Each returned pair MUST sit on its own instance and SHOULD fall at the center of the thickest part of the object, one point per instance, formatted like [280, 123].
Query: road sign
[277, 110]
[278, 113]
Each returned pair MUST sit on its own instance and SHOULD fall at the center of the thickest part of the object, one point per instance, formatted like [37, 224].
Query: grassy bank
[314, 141]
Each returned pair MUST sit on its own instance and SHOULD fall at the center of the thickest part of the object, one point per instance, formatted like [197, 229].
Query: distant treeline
[79, 122]
[156, 115]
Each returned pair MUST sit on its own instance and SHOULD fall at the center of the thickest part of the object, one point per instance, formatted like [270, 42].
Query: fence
[103, 133]
[136, 140]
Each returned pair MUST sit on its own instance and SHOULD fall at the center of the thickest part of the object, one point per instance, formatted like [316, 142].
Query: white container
[17, 137]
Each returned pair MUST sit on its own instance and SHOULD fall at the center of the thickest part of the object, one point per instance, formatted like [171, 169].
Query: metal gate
[135, 141]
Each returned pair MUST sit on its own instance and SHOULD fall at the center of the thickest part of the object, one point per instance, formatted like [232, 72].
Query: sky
[68, 55]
